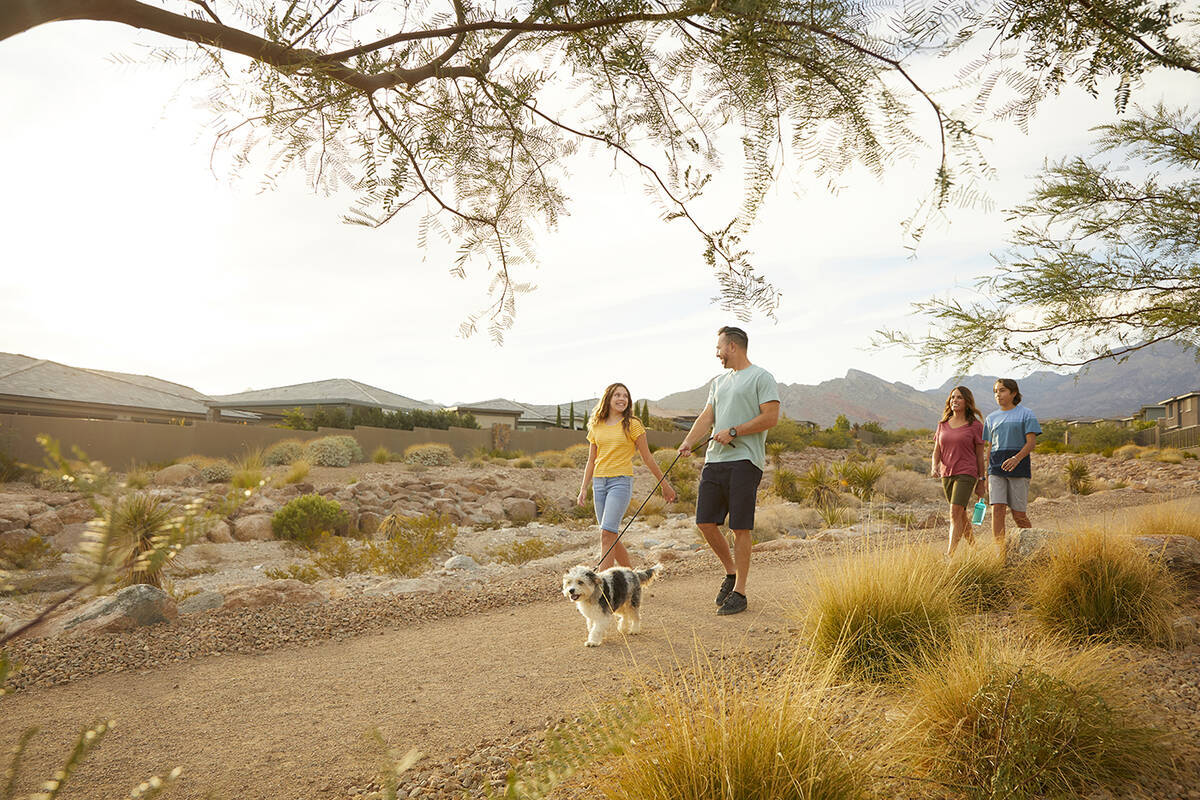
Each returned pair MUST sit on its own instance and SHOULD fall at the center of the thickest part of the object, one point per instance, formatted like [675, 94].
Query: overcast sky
[123, 251]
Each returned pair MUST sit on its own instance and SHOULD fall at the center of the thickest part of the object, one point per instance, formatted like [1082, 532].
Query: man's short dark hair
[735, 335]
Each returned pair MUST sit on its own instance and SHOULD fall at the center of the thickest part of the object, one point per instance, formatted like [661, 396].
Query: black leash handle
[666, 472]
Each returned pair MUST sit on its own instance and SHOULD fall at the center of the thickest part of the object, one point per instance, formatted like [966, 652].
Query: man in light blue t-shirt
[743, 404]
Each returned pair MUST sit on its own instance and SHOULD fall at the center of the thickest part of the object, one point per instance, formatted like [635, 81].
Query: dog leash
[666, 472]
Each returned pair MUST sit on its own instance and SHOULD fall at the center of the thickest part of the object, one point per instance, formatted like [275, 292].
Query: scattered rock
[203, 601]
[254, 528]
[519, 509]
[42, 580]
[178, 475]
[47, 524]
[368, 522]
[461, 562]
[79, 511]
[132, 607]
[219, 532]
[1177, 552]
[1024, 543]
[400, 586]
[272, 593]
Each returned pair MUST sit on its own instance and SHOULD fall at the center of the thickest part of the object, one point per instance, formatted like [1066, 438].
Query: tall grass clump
[305, 518]
[298, 471]
[1165, 521]
[874, 613]
[381, 455]
[996, 722]
[711, 736]
[1094, 586]
[979, 579]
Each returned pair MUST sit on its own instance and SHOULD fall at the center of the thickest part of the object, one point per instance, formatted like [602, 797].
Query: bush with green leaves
[306, 517]
[430, 455]
[410, 543]
[26, 553]
[786, 484]
[283, 453]
[329, 451]
[1079, 476]
[217, 471]
[381, 455]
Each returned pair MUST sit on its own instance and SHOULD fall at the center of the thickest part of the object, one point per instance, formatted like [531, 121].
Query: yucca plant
[820, 486]
[146, 529]
[1079, 477]
[861, 478]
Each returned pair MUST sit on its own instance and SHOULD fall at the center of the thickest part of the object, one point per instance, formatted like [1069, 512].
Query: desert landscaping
[241, 605]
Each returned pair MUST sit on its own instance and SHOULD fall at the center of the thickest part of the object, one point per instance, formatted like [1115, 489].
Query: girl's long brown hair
[972, 413]
[604, 405]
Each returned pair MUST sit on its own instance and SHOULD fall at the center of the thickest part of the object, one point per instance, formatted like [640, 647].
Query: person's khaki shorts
[958, 489]
[1011, 492]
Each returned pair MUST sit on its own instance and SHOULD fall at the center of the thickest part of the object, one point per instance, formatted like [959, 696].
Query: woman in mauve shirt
[958, 454]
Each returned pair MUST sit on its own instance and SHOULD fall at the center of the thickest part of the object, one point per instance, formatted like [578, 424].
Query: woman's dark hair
[972, 412]
[1011, 385]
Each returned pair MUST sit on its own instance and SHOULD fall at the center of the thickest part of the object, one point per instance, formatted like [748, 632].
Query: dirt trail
[294, 720]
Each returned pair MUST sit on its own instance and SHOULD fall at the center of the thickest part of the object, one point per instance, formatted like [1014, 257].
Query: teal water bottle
[980, 509]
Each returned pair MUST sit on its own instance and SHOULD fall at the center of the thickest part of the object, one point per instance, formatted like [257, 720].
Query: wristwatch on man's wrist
[733, 432]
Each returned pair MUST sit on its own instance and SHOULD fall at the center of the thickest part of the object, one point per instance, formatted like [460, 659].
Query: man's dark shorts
[728, 488]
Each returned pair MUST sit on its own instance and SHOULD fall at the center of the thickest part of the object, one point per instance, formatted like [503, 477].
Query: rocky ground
[224, 602]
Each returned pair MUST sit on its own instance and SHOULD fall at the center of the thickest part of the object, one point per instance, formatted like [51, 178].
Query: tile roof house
[341, 393]
[47, 388]
[518, 416]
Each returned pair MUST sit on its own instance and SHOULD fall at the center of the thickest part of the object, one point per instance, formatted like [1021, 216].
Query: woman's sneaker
[735, 603]
[726, 588]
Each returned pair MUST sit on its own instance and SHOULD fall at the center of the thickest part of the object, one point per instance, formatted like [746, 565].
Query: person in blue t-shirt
[1010, 434]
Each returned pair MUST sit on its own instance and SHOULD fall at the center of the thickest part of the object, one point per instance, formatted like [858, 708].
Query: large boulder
[1025, 543]
[254, 528]
[132, 607]
[178, 475]
[79, 511]
[272, 593]
[519, 509]
[219, 532]
[47, 524]
[1176, 552]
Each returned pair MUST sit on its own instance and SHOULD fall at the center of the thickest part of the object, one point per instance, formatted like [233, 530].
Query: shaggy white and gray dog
[600, 596]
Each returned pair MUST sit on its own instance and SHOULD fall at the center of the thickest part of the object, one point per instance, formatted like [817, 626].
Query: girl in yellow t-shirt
[615, 433]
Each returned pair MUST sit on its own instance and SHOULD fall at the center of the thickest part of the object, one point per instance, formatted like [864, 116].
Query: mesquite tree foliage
[1101, 260]
[464, 114]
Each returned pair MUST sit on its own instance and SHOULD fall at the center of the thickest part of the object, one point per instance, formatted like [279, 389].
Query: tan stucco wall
[118, 444]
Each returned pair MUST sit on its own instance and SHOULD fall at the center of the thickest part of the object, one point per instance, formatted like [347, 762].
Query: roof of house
[496, 405]
[336, 391]
[39, 379]
[1192, 393]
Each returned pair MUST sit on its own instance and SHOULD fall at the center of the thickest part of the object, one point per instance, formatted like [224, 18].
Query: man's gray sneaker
[726, 588]
[735, 603]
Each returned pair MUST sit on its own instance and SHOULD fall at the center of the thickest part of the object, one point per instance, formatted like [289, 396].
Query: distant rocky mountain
[1106, 389]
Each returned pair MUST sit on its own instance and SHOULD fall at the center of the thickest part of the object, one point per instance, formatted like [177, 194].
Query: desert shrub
[381, 455]
[1169, 455]
[329, 451]
[1127, 452]
[31, 553]
[549, 458]
[524, 550]
[337, 556]
[298, 472]
[578, 453]
[283, 453]
[305, 573]
[834, 516]
[710, 738]
[10, 468]
[411, 543]
[1047, 483]
[138, 478]
[979, 579]
[819, 485]
[431, 455]
[1102, 587]
[303, 519]
[775, 451]
[861, 477]
[1103, 438]
[873, 614]
[902, 461]
[248, 479]
[351, 444]
[136, 522]
[907, 487]
[217, 471]
[786, 484]
[524, 463]
[778, 519]
[996, 723]
[1079, 477]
